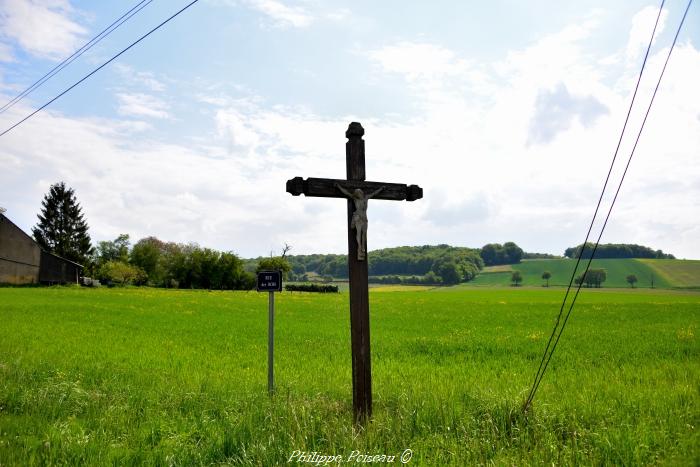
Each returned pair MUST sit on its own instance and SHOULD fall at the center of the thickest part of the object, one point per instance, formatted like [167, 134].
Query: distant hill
[429, 263]
[666, 273]
[445, 264]
[616, 250]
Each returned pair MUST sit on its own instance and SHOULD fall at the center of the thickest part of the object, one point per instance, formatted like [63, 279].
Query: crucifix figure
[359, 217]
[355, 189]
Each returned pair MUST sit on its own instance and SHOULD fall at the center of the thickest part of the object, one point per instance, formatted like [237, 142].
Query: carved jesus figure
[359, 217]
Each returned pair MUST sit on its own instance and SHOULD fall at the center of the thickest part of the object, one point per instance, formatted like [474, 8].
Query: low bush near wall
[311, 288]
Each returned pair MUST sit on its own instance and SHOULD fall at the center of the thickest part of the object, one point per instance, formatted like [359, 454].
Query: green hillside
[683, 273]
[665, 273]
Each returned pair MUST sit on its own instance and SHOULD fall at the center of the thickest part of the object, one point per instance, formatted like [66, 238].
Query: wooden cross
[357, 191]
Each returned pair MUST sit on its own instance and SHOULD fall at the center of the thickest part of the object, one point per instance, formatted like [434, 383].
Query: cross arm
[325, 188]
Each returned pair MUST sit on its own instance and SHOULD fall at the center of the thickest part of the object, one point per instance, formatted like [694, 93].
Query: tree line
[63, 230]
[593, 277]
[151, 261]
[616, 250]
[424, 264]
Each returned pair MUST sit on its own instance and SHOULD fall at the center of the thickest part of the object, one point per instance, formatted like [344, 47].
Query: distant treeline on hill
[427, 264]
[153, 262]
[442, 263]
[414, 264]
[616, 250]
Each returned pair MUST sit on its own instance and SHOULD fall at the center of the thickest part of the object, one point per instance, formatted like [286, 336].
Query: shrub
[516, 278]
[311, 288]
[119, 273]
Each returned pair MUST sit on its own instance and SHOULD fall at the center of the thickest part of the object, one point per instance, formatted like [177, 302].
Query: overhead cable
[97, 69]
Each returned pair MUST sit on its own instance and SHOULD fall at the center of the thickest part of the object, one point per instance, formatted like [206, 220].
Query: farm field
[671, 273]
[160, 377]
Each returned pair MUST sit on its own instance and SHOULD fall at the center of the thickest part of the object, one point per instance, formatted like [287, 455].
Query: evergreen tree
[62, 229]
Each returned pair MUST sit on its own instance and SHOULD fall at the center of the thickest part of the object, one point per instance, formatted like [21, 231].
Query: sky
[506, 113]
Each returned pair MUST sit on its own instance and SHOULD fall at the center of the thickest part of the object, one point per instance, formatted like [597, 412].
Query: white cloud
[467, 148]
[43, 28]
[139, 78]
[475, 134]
[418, 60]
[6, 54]
[555, 111]
[642, 26]
[341, 14]
[135, 186]
[142, 105]
[281, 14]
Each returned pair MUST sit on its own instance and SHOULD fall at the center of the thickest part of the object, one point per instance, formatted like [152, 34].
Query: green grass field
[157, 377]
[665, 273]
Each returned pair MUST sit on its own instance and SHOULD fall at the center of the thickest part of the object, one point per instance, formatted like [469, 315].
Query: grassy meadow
[143, 376]
[666, 273]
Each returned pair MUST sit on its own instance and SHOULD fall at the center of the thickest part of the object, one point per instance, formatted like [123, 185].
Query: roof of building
[3, 216]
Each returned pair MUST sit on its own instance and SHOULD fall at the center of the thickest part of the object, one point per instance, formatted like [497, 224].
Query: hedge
[311, 288]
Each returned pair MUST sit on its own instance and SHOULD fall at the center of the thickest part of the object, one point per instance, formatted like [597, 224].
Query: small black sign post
[271, 282]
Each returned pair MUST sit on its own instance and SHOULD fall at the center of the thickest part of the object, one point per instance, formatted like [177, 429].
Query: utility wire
[595, 214]
[545, 363]
[67, 61]
[98, 68]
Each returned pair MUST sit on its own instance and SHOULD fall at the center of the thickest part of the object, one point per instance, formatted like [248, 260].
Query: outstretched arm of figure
[343, 190]
[375, 193]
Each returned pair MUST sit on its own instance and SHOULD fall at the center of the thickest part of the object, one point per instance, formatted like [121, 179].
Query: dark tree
[494, 253]
[449, 273]
[489, 253]
[516, 278]
[592, 278]
[147, 254]
[62, 229]
[115, 250]
[631, 279]
[599, 276]
[546, 276]
[513, 253]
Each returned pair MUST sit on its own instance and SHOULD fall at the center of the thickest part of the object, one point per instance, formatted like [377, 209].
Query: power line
[98, 68]
[67, 61]
[546, 358]
[595, 213]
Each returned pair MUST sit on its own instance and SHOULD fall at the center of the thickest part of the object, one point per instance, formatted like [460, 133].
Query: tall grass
[142, 376]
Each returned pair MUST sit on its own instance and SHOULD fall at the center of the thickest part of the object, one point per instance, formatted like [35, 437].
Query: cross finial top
[354, 130]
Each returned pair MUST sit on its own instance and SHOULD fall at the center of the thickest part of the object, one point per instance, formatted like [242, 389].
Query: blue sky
[506, 113]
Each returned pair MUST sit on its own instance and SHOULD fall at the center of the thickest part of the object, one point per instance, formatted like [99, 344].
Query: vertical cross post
[359, 295]
[357, 191]
[271, 342]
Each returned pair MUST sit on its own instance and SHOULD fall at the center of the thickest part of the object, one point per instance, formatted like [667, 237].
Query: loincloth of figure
[359, 219]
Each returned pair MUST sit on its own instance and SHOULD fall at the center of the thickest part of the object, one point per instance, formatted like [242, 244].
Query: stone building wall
[20, 256]
[23, 262]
